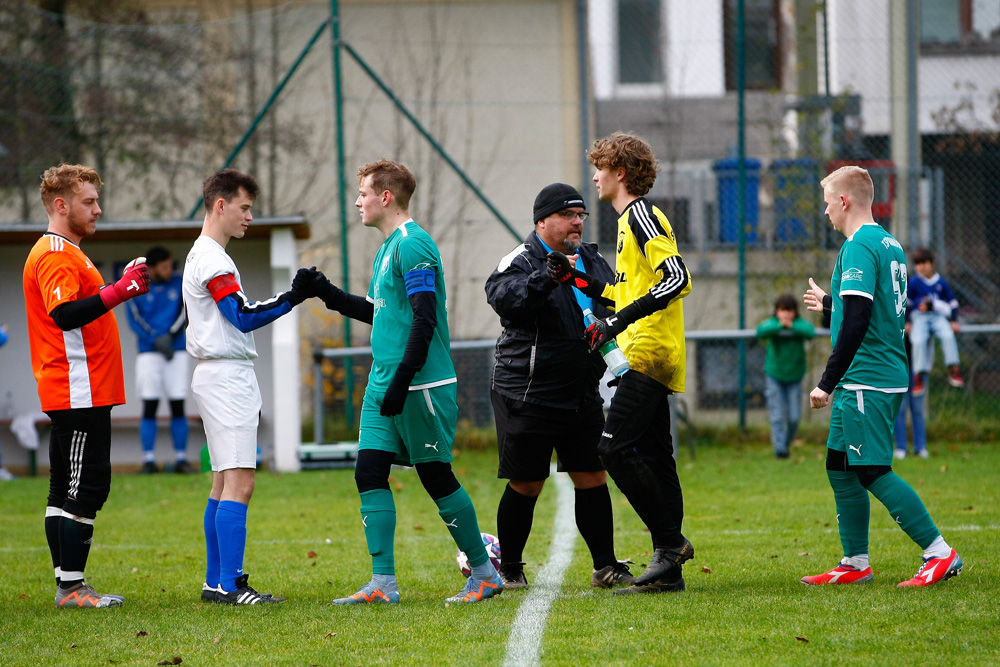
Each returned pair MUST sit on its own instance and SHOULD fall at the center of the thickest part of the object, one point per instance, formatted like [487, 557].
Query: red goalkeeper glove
[561, 271]
[134, 281]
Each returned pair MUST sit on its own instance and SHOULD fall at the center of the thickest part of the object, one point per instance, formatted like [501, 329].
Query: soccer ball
[492, 545]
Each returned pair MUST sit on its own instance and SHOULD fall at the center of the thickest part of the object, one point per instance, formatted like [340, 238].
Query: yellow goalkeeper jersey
[648, 263]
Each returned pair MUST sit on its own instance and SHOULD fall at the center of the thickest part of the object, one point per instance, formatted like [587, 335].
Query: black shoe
[513, 577]
[209, 594]
[612, 575]
[184, 468]
[244, 594]
[149, 468]
[664, 560]
[781, 455]
[658, 586]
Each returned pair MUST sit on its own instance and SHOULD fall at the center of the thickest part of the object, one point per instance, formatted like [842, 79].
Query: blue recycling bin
[797, 198]
[726, 176]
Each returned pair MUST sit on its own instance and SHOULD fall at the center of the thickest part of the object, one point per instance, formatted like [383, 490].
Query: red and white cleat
[934, 570]
[842, 574]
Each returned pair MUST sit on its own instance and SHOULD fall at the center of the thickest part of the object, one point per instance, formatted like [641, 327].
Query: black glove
[395, 395]
[601, 331]
[165, 345]
[561, 271]
[304, 282]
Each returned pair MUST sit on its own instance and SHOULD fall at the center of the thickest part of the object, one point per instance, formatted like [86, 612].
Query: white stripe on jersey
[674, 280]
[644, 217]
[80, 395]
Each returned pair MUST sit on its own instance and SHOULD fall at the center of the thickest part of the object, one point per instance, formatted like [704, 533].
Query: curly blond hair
[66, 181]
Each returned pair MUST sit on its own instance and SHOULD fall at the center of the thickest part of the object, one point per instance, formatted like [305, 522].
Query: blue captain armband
[419, 280]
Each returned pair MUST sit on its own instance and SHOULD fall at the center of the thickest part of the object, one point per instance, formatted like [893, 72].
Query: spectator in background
[5, 475]
[784, 367]
[931, 309]
[916, 405]
[161, 367]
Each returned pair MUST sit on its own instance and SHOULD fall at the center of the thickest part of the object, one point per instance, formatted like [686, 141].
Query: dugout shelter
[267, 258]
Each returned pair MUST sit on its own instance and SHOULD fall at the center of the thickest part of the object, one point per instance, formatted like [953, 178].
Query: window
[761, 43]
[959, 25]
[640, 56]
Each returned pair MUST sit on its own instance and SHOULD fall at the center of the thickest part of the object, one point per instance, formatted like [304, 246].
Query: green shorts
[422, 433]
[861, 424]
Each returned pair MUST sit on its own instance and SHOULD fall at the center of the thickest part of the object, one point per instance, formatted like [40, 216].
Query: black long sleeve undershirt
[424, 306]
[349, 305]
[857, 317]
[75, 314]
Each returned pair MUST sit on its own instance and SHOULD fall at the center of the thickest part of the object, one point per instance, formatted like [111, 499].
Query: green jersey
[407, 262]
[872, 264]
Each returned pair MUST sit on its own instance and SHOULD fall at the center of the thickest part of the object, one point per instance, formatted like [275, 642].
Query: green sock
[906, 508]
[459, 516]
[378, 513]
[853, 511]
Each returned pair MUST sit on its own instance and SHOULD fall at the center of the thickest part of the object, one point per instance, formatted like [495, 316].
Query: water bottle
[613, 357]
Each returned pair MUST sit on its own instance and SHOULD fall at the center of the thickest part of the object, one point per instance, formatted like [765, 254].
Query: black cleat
[513, 577]
[659, 586]
[209, 594]
[149, 468]
[610, 576]
[184, 468]
[244, 594]
[663, 561]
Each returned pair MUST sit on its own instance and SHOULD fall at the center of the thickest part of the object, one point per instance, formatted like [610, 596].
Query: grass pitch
[757, 525]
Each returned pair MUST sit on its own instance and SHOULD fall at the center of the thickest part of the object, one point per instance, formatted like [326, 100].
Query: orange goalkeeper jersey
[80, 368]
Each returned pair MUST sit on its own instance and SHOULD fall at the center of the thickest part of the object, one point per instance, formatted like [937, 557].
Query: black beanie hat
[557, 197]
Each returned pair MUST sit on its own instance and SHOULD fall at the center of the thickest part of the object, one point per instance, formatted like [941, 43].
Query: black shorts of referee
[527, 434]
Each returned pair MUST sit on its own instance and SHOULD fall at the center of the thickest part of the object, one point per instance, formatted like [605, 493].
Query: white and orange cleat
[842, 574]
[934, 570]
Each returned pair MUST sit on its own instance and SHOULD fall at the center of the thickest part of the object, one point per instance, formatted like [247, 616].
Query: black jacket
[541, 356]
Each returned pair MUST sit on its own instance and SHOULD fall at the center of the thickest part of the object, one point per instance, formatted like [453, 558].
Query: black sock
[514, 517]
[52, 537]
[74, 545]
[595, 521]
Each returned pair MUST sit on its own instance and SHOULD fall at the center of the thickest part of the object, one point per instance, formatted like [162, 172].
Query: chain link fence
[156, 95]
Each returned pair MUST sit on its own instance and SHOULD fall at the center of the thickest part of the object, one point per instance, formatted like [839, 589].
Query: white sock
[860, 561]
[937, 549]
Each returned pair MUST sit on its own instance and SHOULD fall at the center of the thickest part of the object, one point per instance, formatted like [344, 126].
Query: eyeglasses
[569, 215]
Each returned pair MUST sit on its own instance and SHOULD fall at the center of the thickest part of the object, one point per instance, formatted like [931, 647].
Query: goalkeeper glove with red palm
[134, 282]
[561, 271]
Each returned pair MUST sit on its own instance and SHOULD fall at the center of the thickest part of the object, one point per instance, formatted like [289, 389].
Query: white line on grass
[526, 634]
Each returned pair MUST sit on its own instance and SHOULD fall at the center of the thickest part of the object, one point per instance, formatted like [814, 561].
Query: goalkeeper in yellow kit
[648, 325]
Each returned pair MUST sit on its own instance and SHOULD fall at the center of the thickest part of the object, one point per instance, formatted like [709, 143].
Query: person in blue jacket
[161, 368]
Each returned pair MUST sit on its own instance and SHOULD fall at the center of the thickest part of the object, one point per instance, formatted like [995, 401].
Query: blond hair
[392, 176]
[66, 181]
[855, 182]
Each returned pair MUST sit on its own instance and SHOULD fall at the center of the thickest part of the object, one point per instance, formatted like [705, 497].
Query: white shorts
[156, 377]
[228, 399]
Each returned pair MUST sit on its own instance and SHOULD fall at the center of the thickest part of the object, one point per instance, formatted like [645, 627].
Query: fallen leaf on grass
[418, 527]
[311, 554]
[944, 468]
[705, 570]
[141, 633]
[399, 486]
[330, 634]
[803, 639]
[73, 645]
[176, 660]
[216, 640]
[24, 596]
[805, 553]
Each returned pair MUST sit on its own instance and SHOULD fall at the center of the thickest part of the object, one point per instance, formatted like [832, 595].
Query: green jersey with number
[408, 251]
[872, 264]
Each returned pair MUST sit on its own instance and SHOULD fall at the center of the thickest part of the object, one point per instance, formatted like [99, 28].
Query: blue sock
[179, 433]
[211, 543]
[231, 524]
[147, 434]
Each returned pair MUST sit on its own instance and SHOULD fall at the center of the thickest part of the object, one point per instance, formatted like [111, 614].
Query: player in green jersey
[869, 371]
[410, 405]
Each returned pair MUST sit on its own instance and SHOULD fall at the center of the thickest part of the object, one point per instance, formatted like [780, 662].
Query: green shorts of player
[423, 432]
[861, 425]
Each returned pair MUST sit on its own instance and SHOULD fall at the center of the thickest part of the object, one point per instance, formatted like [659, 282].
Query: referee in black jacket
[545, 387]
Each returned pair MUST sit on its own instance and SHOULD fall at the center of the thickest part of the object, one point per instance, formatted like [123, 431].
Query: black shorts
[527, 434]
[80, 460]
